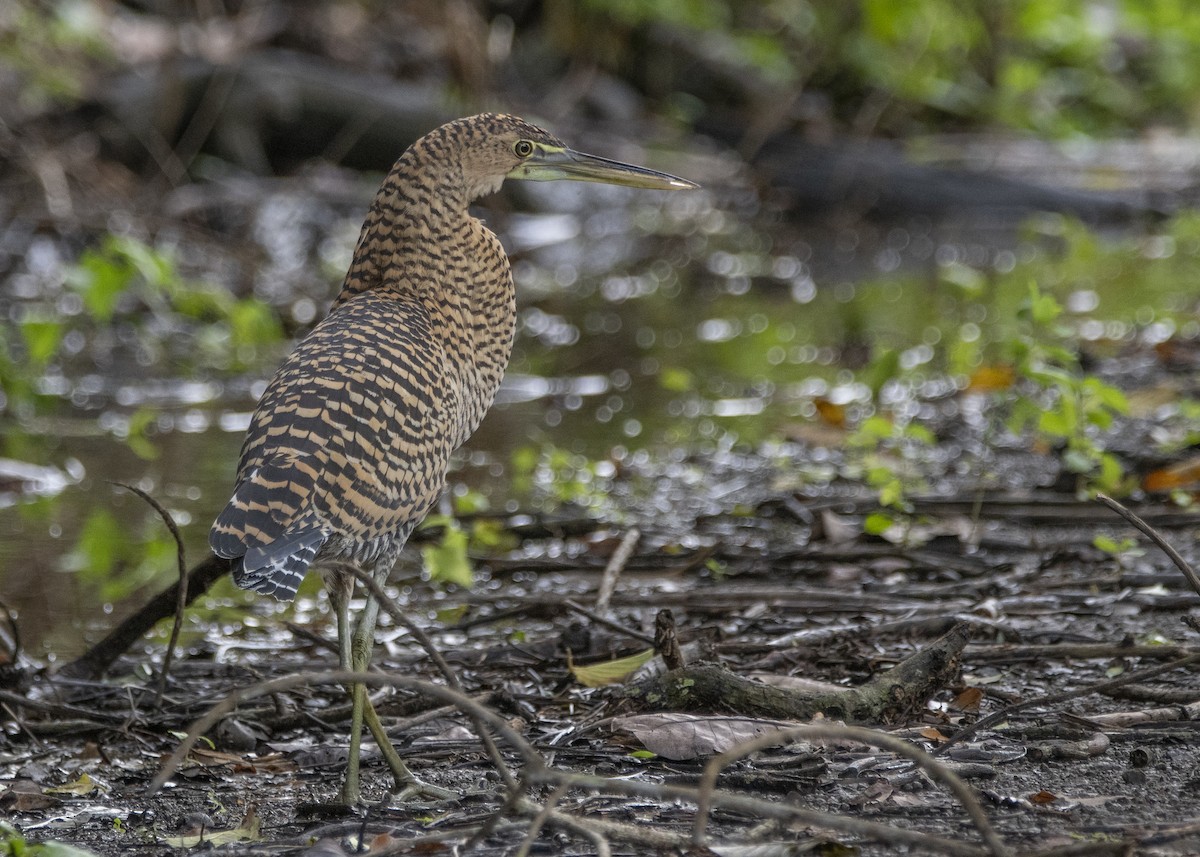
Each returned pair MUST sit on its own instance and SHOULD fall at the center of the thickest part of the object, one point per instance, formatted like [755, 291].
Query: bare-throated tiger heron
[348, 447]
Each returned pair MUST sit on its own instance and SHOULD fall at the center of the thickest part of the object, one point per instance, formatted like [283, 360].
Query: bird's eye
[523, 148]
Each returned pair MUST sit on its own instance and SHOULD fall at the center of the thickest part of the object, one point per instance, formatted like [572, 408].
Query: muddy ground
[772, 583]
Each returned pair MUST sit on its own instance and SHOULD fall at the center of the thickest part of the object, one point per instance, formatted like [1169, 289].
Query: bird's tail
[274, 569]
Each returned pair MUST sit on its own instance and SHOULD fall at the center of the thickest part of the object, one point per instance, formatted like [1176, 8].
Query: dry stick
[393, 610]
[181, 597]
[15, 718]
[16, 633]
[870, 737]
[539, 820]
[1055, 698]
[760, 808]
[100, 657]
[1105, 686]
[537, 772]
[1153, 535]
[99, 718]
[585, 828]
[616, 564]
[607, 623]
[453, 697]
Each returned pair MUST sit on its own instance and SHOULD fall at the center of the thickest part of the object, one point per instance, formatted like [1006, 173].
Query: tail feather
[281, 574]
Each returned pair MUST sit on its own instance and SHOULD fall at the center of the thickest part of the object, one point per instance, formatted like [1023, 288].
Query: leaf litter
[1084, 661]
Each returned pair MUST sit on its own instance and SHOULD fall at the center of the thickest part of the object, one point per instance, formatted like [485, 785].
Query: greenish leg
[355, 655]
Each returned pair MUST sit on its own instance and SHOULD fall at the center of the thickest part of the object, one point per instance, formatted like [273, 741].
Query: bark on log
[96, 661]
[891, 697]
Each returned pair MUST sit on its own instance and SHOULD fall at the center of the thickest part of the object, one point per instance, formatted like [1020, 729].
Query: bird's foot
[411, 787]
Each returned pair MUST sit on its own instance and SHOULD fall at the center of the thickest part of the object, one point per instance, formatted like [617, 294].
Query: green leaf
[447, 561]
[878, 523]
[42, 338]
[676, 380]
[610, 672]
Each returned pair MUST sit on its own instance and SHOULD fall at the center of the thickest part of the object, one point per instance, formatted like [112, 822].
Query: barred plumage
[348, 448]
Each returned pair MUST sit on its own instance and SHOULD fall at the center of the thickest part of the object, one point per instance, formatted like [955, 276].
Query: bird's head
[498, 146]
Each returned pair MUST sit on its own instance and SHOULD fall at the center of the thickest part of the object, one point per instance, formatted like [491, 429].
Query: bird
[348, 447]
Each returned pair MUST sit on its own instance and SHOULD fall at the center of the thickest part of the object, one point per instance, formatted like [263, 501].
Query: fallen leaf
[1183, 474]
[26, 796]
[833, 414]
[248, 831]
[689, 736]
[85, 785]
[989, 379]
[609, 672]
[932, 734]
[968, 700]
[1043, 797]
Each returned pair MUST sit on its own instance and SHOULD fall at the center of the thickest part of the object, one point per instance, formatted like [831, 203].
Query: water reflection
[696, 321]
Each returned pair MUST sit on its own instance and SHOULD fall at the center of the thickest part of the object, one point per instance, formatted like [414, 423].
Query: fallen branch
[181, 599]
[889, 697]
[537, 772]
[93, 663]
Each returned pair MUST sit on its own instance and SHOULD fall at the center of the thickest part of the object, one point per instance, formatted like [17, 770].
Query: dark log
[96, 661]
[891, 697]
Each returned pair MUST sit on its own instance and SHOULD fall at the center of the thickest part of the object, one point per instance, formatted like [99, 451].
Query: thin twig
[344, 677]
[539, 820]
[397, 614]
[1056, 698]
[538, 773]
[1153, 535]
[616, 565]
[588, 828]
[870, 737]
[59, 709]
[181, 597]
[607, 623]
[16, 632]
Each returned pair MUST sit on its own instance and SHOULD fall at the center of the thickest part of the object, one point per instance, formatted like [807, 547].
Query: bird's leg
[358, 659]
[340, 587]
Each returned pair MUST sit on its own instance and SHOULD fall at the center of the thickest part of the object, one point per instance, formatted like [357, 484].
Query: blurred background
[913, 216]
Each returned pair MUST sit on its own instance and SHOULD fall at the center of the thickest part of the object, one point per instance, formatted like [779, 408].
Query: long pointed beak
[544, 166]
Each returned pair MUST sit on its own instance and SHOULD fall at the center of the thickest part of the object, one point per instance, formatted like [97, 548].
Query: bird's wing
[351, 440]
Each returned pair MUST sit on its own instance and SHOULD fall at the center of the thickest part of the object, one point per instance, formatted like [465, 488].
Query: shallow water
[647, 322]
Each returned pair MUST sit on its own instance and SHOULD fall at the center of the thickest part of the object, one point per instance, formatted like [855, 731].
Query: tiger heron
[348, 448]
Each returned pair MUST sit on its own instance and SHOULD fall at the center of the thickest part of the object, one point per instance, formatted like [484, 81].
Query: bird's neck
[420, 244]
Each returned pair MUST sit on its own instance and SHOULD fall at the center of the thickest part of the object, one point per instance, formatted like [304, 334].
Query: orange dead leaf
[831, 413]
[932, 734]
[1043, 797]
[988, 379]
[969, 699]
[1184, 474]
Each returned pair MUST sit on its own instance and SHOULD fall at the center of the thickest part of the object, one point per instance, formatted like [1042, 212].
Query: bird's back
[347, 449]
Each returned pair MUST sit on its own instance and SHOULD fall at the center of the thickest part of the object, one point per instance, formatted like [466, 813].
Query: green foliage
[557, 477]
[124, 281]
[13, 844]
[114, 562]
[1058, 402]
[52, 47]
[126, 271]
[887, 455]
[1053, 67]
[447, 561]
[1122, 550]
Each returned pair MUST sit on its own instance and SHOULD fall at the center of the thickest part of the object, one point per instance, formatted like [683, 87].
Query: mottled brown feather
[348, 448]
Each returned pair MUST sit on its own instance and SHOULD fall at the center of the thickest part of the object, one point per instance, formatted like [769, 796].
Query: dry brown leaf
[1183, 474]
[830, 412]
[968, 700]
[932, 734]
[690, 736]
